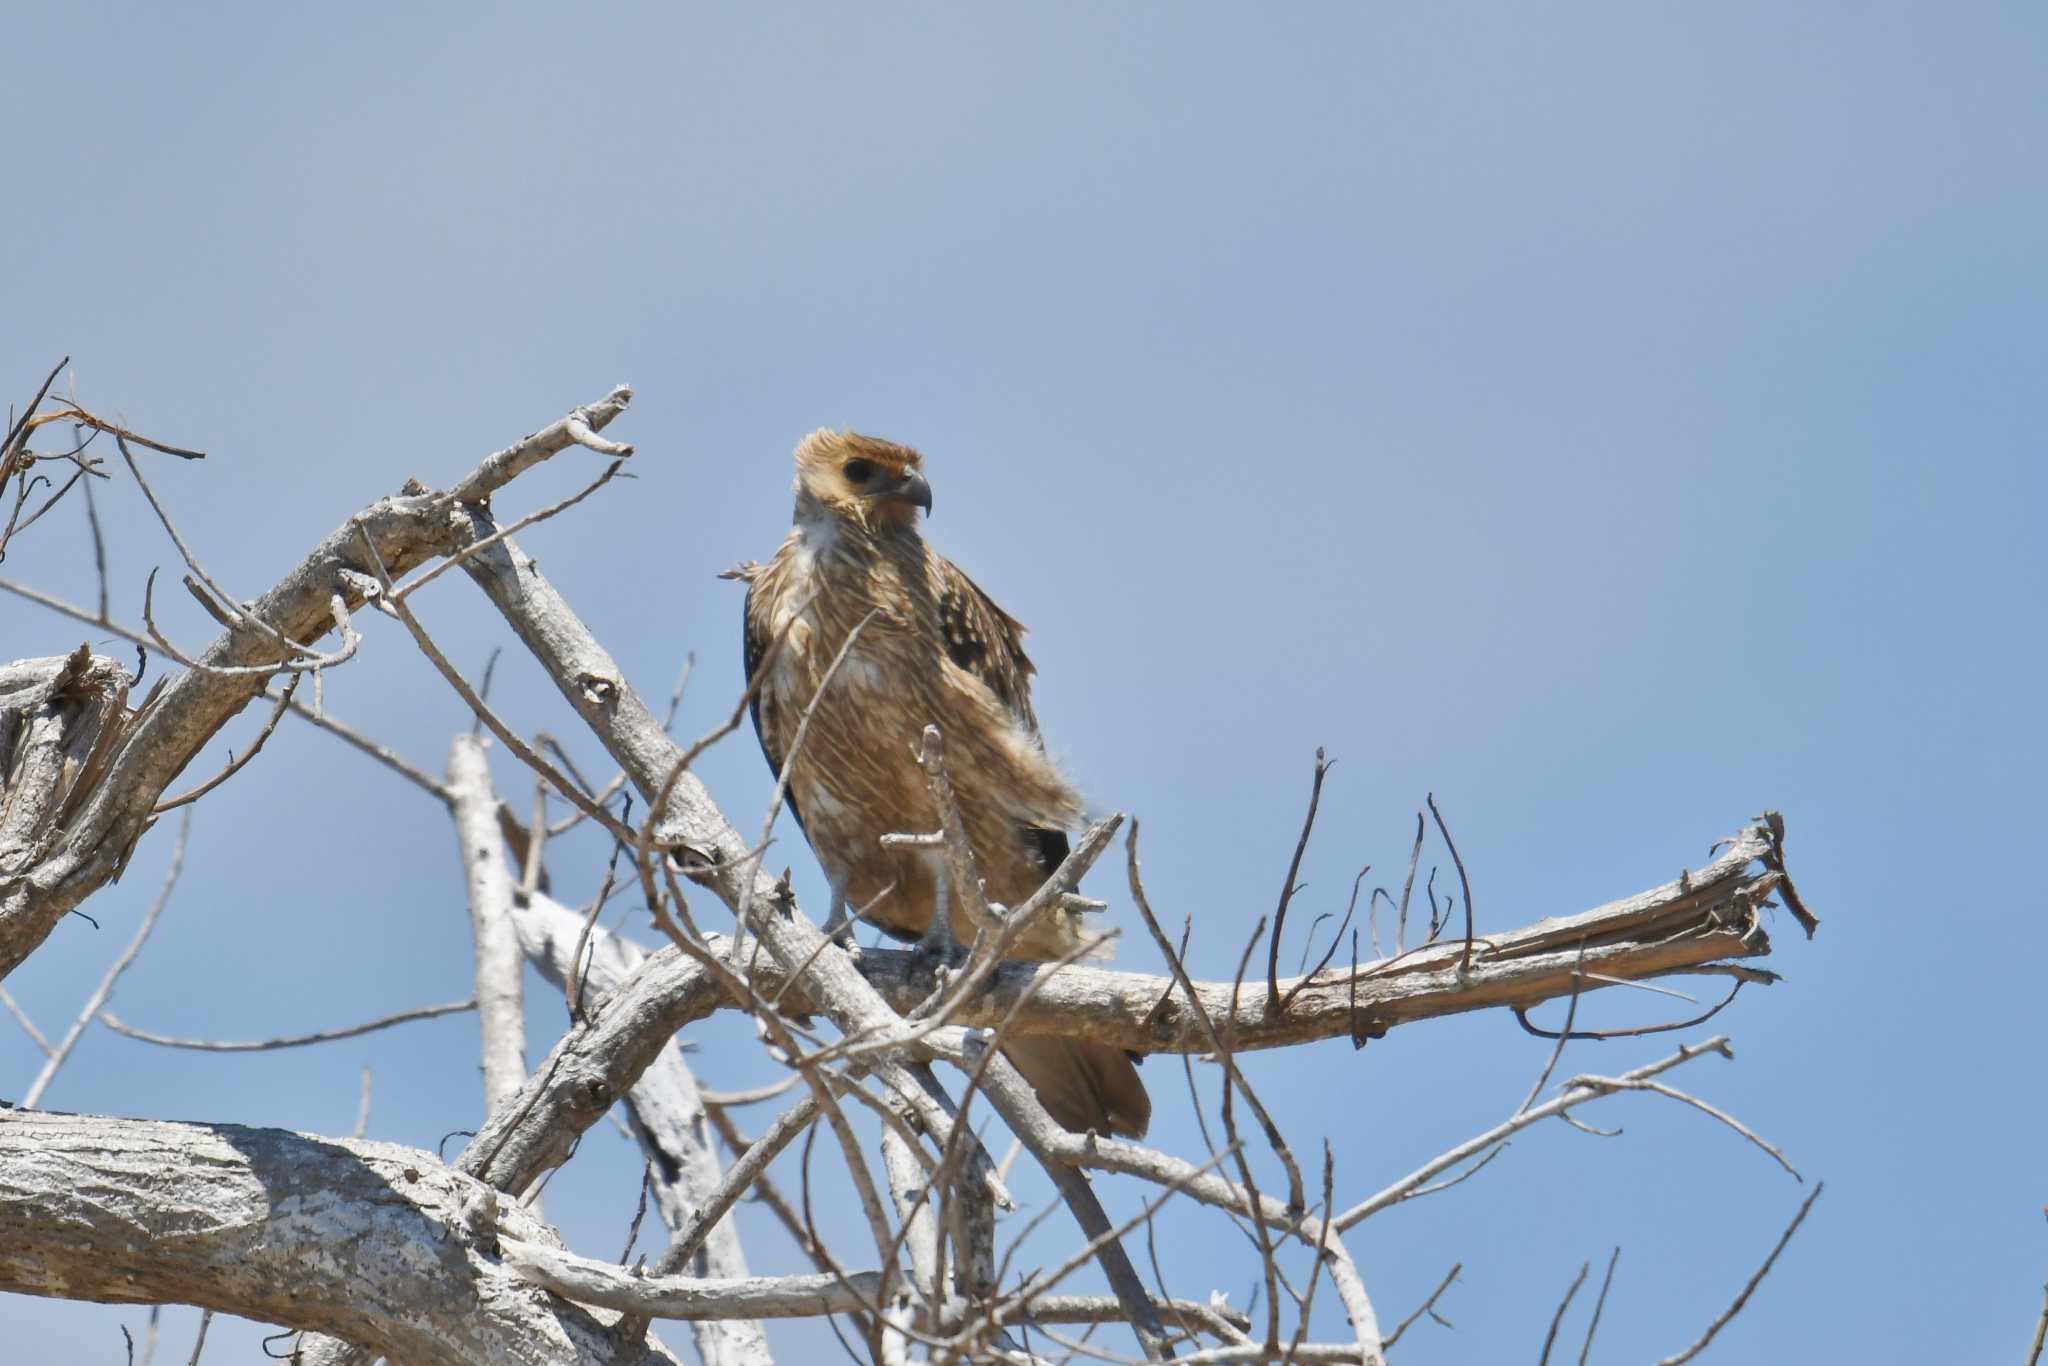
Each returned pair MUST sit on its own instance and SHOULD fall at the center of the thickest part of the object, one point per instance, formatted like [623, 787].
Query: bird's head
[874, 483]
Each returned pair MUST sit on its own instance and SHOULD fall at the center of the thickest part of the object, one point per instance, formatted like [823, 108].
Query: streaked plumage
[937, 652]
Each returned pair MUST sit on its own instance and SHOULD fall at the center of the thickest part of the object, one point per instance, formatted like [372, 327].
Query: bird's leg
[938, 943]
[838, 928]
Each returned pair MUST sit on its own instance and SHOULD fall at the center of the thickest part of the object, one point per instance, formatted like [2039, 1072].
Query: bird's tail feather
[1083, 1085]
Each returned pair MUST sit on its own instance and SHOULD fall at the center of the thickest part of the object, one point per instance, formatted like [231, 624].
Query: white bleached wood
[500, 966]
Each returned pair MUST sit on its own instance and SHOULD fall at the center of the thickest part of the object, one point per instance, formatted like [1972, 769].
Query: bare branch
[588, 1281]
[120, 1027]
[1274, 1000]
[500, 967]
[667, 1117]
[1652, 932]
[112, 812]
[1593, 1325]
[1557, 1319]
[29, 1026]
[413, 585]
[106, 987]
[234, 765]
[1464, 883]
[501, 468]
[1428, 1306]
[1754, 1281]
[1577, 1092]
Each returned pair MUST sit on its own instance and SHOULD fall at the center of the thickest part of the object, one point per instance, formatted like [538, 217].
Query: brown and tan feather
[938, 652]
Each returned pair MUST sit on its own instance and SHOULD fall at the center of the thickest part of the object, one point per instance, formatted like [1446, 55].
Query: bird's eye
[859, 471]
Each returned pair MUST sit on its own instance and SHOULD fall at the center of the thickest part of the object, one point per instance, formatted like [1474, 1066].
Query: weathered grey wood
[666, 1114]
[58, 716]
[374, 1243]
[1707, 919]
[690, 1297]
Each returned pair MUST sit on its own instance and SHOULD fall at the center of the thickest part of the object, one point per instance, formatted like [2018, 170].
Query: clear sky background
[1615, 419]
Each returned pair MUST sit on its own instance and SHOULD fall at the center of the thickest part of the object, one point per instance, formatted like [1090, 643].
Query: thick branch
[372, 1242]
[1703, 918]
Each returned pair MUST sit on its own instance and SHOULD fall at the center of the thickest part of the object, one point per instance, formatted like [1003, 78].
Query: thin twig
[21, 1018]
[99, 546]
[1557, 1319]
[1287, 889]
[1577, 1091]
[106, 987]
[81, 417]
[199, 1344]
[1637, 1031]
[727, 1099]
[1296, 1198]
[1428, 1306]
[1571, 1013]
[17, 433]
[406, 590]
[1593, 1326]
[1754, 1281]
[234, 765]
[1464, 883]
[1407, 889]
[1737, 1125]
[108, 1019]
[482, 712]
[639, 1212]
[409, 771]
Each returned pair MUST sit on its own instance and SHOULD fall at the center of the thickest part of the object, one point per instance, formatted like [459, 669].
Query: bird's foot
[939, 954]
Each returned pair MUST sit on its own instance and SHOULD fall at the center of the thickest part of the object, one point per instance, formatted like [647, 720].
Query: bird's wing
[756, 642]
[988, 642]
[983, 639]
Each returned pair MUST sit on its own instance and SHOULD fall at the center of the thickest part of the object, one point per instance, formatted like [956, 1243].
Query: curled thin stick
[1287, 889]
[1522, 1018]
[1464, 883]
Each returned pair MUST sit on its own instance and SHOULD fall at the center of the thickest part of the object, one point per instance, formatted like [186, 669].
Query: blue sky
[1614, 419]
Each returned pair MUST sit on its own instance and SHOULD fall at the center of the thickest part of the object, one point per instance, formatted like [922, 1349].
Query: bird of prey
[934, 651]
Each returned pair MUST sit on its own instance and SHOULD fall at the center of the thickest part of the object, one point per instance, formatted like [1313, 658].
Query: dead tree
[446, 1264]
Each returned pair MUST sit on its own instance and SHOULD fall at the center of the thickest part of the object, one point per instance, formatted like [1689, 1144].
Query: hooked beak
[914, 491]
